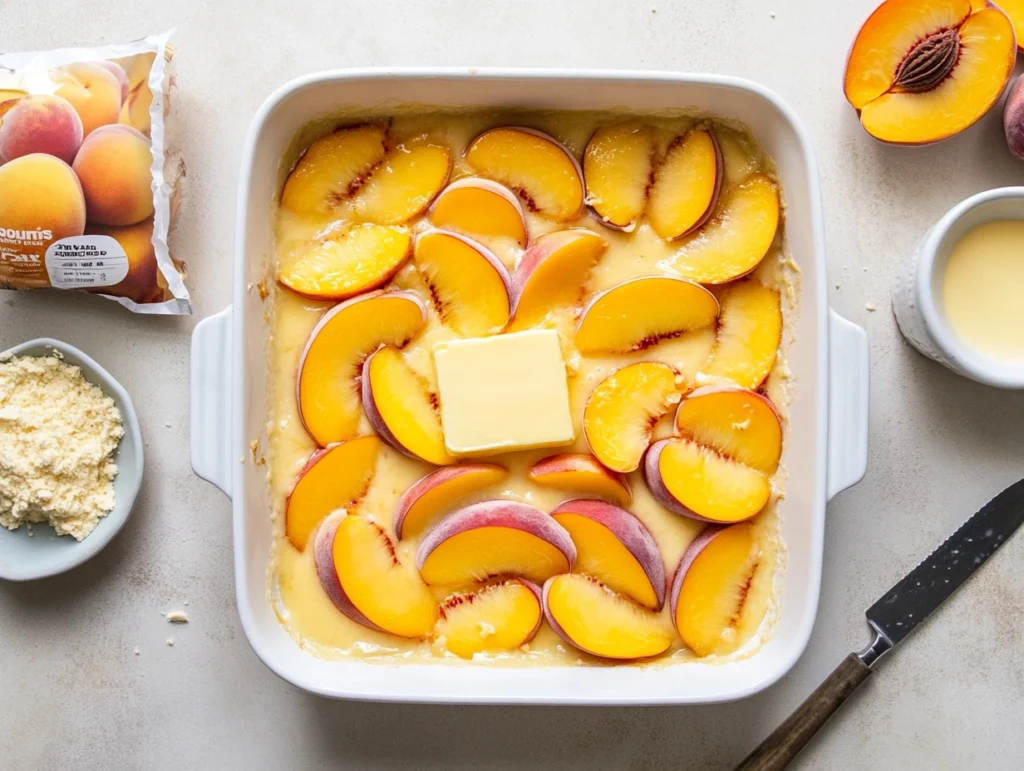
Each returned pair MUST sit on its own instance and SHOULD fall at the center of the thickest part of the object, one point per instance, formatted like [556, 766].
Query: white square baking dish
[826, 447]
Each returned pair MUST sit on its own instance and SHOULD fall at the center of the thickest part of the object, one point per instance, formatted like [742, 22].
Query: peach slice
[735, 240]
[361, 572]
[749, 334]
[494, 538]
[482, 208]
[686, 185]
[333, 168]
[614, 547]
[617, 166]
[404, 185]
[333, 478]
[438, 492]
[582, 473]
[542, 171]
[591, 617]
[735, 422]
[469, 285]
[499, 617]
[553, 273]
[347, 263]
[694, 481]
[924, 70]
[403, 407]
[710, 586]
[622, 411]
[329, 401]
[640, 313]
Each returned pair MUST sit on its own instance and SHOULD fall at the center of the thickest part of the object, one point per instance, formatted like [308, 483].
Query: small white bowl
[917, 297]
[23, 558]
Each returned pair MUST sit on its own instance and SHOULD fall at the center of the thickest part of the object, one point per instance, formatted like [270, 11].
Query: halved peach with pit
[404, 184]
[582, 473]
[591, 617]
[621, 412]
[642, 312]
[360, 570]
[494, 538]
[329, 401]
[469, 285]
[749, 334]
[617, 166]
[735, 422]
[499, 617]
[439, 492]
[616, 548]
[481, 208]
[333, 478]
[686, 185]
[346, 263]
[541, 170]
[924, 70]
[710, 587]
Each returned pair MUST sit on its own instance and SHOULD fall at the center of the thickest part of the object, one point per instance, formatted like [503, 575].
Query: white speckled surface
[73, 695]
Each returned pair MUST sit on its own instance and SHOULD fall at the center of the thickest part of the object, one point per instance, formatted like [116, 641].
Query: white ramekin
[917, 296]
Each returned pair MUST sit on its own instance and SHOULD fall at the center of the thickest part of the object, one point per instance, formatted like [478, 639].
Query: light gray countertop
[74, 696]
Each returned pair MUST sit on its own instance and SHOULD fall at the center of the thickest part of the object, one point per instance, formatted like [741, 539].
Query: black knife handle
[786, 741]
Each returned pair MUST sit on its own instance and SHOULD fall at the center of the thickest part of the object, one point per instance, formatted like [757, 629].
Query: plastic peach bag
[86, 177]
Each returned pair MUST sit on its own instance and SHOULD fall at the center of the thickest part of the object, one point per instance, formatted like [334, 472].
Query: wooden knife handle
[786, 741]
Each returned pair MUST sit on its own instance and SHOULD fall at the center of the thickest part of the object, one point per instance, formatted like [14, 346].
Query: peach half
[618, 165]
[481, 208]
[347, 263]
[582, 473]
[499, 617]
[404, 184]
[360, 570]
[924, 70]
[590, 616]
[439, 492]
[621, 412]
[735, 422]
[403, 407]
[333, 478]
[494, 538]
[542, 171]
[616, 548]
[686, 185]
[710, 587]
[749, 334]
[640, 313]
[470, 287]
[329, 401]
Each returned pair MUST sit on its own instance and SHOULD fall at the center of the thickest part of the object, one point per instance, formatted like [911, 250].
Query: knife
[892, 618]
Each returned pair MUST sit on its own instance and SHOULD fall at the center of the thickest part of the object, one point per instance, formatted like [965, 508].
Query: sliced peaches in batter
[617, 166]
[686, 185]
[590, 616]
[404, 184]
[735, 422]
[499, 617]
[481, 208]
[923, 70]
[582, 473]
[749, 334]
[542, 171]
[439, 492]
[642, 312]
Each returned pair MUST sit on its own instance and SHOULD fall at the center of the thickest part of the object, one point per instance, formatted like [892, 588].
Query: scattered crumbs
[772, 14]
[177, 617]
[486, 630]
[838, 285]
[262, 289]
[170, 642]
[525, 647]
[167, 424]
[257, 458]
[870, 307]
[248, 287]
[579, 663]
[241, 459]
[135, 650]
[186, 602]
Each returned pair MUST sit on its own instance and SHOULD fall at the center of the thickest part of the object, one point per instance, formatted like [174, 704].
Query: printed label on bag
[86, 261]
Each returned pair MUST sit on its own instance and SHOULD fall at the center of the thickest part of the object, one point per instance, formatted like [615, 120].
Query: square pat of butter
[503, 393]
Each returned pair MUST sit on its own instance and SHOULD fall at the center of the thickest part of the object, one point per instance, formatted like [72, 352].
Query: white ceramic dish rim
[219, 441]
[124, 500]
[932, 257]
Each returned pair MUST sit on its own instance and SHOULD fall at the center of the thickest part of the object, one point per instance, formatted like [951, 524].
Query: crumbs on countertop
[177, 617]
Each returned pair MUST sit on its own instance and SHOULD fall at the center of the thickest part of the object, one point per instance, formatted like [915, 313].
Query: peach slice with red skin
[347, 263]
[710, 587]
[329, 400]
[616, 548]
[618, 165]
[439, 491]
[640, 313]
[686, 185]
[749, 334]
[333, 478]
[735, 422]
[360, 570]
[480, 208]
[923, 70]
[494, 538]
[499, 617]
[621, 412]
[582, 473]
[541, 170]
[591, 617]
[404, 184]
[469, 285]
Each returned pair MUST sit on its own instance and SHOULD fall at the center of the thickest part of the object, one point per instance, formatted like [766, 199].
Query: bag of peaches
[87, 184]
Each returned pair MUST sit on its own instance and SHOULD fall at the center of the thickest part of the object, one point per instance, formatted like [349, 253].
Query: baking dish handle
[211, 400]
[847, 404]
